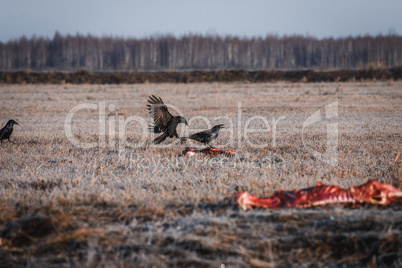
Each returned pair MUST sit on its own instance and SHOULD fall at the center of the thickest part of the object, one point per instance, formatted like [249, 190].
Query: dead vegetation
[65, 206]
[86, 77]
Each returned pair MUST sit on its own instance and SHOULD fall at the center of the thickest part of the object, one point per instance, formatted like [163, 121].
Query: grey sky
[128, 18]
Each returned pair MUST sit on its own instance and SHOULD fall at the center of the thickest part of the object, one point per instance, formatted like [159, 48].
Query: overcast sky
[129, 18]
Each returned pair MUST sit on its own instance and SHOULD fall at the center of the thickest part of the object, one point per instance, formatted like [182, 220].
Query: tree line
[198, 52]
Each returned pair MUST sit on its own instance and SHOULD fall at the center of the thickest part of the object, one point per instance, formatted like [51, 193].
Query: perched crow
[206, 136]
[164, 121]
[6, 131]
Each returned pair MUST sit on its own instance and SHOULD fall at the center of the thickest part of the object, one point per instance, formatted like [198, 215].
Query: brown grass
[64, 206]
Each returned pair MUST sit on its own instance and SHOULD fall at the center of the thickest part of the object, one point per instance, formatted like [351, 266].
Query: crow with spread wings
[164, 121]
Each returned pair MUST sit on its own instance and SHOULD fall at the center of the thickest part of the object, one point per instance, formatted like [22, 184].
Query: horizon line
[391, 32]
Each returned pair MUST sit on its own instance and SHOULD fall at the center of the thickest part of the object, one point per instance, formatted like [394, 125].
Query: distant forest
[198, 52]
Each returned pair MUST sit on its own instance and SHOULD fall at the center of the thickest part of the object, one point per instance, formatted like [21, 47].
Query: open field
[135, 204]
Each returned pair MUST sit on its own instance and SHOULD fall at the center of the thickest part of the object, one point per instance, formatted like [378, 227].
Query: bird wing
[200, 136]
[159, 112]
[197, 135]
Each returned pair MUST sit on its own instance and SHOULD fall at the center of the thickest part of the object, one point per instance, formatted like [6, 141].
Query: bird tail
[154, 129]
[160, 139]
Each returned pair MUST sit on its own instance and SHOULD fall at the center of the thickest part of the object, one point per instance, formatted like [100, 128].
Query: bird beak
[17, 123]
[186, 123]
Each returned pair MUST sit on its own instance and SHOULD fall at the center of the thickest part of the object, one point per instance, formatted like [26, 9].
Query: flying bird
[164, 121]
[205, 136]
[6, 131]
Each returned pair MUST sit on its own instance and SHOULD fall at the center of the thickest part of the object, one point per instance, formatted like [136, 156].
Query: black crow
[206, 136]
[164, 121]
[6, 131]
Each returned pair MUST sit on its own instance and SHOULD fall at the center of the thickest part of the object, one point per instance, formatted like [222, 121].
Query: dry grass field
[128, 203]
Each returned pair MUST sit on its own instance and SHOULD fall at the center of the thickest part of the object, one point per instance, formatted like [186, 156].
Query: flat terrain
[106, 196]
